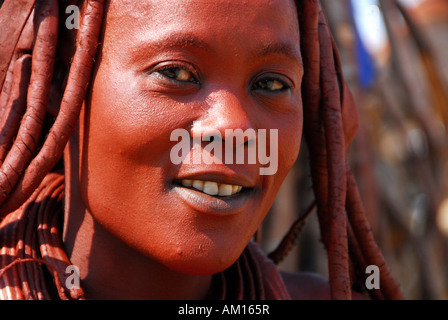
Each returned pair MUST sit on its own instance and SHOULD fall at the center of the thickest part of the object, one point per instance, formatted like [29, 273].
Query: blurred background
[395, 60]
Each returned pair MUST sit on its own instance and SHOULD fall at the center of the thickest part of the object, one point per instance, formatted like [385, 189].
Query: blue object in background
[366, 65]
[365, 18]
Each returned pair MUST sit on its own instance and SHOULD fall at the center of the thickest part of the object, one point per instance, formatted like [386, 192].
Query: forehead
[268, 16]
[144, 7]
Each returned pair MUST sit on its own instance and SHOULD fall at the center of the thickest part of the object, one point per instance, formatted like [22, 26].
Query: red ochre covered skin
[128, 222]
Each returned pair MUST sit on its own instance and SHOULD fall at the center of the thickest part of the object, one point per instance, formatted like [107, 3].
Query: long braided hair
[30, 150]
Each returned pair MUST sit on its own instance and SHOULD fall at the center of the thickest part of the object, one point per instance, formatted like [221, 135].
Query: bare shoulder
[310, 286]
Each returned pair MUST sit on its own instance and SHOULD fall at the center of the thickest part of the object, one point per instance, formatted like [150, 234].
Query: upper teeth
[212, 188]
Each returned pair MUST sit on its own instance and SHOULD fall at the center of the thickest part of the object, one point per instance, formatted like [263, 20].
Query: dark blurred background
[395, 60]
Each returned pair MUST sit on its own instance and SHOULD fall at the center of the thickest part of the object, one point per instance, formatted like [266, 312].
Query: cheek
[127, 124]
[289, 149]
[289, 126]
[289, 142]
[126, 140]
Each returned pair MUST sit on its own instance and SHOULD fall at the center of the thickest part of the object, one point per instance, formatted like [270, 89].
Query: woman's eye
[271, 85]
[177, 74]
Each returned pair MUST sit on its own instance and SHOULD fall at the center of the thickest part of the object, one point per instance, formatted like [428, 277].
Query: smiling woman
[99, 189]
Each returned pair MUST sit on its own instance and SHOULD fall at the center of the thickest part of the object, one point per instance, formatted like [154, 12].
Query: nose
[227, 113]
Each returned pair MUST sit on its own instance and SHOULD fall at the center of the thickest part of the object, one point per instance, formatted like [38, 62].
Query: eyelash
[162, 72]
[263, 83]
[260, 84]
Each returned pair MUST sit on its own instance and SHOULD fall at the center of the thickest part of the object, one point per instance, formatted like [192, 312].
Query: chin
[201, 268]
[204, 263]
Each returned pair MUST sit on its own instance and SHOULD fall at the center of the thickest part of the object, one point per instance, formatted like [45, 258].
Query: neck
[109, 268]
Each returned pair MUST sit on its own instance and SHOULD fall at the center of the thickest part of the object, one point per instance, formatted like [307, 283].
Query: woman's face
[171, 64]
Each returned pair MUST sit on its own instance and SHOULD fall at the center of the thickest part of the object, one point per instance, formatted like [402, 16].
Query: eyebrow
[175, 40]
[283, 48]
[184, 39]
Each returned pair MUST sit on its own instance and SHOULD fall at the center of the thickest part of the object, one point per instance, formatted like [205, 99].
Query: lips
[215, 193]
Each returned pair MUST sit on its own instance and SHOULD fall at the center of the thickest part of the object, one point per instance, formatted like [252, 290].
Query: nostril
[250, 142]
[212, 137]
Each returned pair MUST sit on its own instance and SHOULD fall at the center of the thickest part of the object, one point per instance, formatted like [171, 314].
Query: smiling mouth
[212, 188]
[213, 197]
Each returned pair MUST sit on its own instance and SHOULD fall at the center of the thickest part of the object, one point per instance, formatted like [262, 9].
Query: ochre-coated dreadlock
[31, 196]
